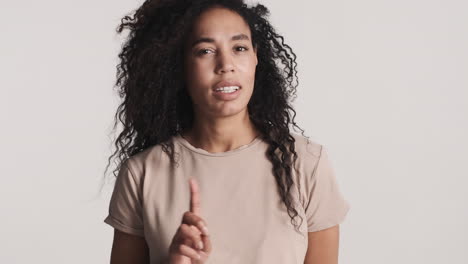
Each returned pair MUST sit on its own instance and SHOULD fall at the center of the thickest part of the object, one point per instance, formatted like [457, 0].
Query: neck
[221, 134]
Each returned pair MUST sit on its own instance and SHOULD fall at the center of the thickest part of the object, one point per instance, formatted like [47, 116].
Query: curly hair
[157, 106]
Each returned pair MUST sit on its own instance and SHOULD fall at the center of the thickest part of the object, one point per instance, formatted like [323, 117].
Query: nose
[225, 63]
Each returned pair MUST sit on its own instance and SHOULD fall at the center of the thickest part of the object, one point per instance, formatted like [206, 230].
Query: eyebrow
[210, 40]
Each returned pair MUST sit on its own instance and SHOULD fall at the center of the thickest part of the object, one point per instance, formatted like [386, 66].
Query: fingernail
[200, 245]
[202, 254]
[204, 228]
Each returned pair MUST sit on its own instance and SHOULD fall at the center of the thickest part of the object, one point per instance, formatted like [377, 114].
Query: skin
[127, 248]
[323, 246]
[219, 126]
[191, 243]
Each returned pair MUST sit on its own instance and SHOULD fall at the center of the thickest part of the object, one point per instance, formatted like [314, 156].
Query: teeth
[228, 89]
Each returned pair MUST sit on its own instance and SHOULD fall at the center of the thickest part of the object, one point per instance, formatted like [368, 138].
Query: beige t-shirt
[246, 218]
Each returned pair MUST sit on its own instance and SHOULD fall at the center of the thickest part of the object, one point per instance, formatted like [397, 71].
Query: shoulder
[147, 160]
[309, 153]
[305, 147]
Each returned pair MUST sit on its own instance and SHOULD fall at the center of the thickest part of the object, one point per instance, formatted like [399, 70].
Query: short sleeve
[125, 207]
[326, 206]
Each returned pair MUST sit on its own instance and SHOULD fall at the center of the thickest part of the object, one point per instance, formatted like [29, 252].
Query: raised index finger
[194, 197]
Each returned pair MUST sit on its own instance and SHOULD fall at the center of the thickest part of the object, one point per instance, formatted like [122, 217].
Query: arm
[323, 246]
[129, 249]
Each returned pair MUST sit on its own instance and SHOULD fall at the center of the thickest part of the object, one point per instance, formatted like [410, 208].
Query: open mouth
[227, 93]
[227, 89]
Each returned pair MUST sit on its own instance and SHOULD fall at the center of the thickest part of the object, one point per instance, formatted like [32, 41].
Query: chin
[229, 111]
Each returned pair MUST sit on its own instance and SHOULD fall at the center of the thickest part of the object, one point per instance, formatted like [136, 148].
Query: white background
[383, 84]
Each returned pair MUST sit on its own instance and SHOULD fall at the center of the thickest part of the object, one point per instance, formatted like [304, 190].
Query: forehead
[219, 23]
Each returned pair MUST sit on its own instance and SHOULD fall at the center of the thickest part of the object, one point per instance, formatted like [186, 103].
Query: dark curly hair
[157, 106]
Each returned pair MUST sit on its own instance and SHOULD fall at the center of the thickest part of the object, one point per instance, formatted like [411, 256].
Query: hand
[191, 243]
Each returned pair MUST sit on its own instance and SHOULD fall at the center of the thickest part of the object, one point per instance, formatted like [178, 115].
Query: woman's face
[220, 49]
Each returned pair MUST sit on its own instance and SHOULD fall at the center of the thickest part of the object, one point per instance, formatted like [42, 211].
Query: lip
[226, 83]
[227, 96]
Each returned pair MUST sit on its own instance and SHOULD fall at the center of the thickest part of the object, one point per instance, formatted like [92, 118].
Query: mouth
[227, 87]
[227, 92]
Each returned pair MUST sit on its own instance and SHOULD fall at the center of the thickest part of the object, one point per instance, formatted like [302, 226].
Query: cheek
[198, 76]
[249, 73]
[248, 66]
[201, 68]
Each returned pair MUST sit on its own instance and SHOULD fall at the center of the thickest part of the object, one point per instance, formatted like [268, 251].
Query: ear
[255, 52]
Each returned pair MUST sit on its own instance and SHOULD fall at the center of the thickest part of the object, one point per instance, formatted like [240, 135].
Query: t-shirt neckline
[186, 144]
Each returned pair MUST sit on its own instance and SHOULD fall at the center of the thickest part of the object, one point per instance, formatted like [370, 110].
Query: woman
[210, 172]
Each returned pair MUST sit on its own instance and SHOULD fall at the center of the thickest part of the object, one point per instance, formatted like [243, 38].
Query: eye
[202, 51]
[241, 47]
